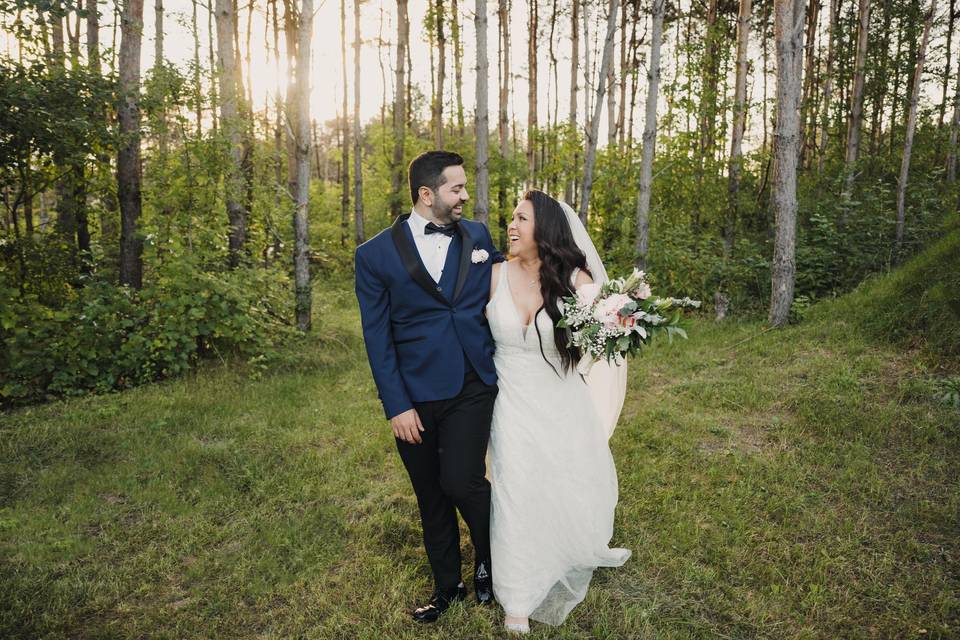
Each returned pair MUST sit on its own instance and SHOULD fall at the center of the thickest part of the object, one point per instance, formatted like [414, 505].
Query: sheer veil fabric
[607, 382]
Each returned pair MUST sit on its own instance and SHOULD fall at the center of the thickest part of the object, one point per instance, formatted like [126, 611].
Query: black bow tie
[447, 230]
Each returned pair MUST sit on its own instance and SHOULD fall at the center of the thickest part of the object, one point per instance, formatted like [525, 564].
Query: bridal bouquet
[614, 320]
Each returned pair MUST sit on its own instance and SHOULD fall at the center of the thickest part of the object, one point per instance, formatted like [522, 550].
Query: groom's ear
[425, 195]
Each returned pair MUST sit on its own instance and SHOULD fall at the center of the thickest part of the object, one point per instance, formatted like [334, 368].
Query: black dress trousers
[448, 472]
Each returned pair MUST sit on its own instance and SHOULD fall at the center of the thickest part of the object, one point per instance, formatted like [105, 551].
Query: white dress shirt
[432, 248]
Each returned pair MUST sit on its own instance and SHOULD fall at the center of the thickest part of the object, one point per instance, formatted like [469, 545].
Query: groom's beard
[445, 214]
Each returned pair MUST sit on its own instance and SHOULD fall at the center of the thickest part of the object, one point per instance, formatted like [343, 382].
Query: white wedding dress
[554, 484]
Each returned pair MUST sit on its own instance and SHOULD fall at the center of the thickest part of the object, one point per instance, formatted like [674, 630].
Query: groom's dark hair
[426, 170]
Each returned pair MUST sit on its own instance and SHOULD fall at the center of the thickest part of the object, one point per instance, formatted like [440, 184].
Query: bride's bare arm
[494, 278]
[582, 278]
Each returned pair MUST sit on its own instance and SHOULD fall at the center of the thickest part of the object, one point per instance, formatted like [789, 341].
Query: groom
[422, 286]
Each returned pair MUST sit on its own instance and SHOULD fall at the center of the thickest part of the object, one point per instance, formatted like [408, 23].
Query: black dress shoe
[483, 583]
[440, 601]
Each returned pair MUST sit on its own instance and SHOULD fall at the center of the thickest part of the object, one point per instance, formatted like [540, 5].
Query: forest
[758, 156]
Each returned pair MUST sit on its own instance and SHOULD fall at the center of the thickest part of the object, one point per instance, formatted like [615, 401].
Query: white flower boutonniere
[478, 256]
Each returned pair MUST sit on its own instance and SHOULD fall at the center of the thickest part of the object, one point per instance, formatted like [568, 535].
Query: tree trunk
[951, 17]
[739, 124]
[158, 38]
[503, 119]
[591, 150]
[612, 91]
[856, 102]
[911, 127]
[788, 34]
[345, 128]
[359, 232]
[568, 192]
[232, 129]
[441, 76]
[214, 98]
[457, 63]
[649, 136]
[807, 102]
[400, 109]
[197, 88]
[827, 86]
[624, 72]
[533, 20]
[954, 128]
[128, 160]
[481, 208]
[709, 82]
[301, 256]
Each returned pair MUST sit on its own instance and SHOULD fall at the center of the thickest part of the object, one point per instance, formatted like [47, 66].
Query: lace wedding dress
[554, 484]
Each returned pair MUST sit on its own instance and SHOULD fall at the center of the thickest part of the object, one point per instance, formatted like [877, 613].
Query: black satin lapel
[411, 261]
[466, 251]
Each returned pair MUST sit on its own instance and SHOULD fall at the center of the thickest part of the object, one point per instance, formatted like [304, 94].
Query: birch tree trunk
[591, 150]
[954, 128]
[827, 87]
[232, 128]
[739, 124]
[649, 136]
[457, 63]
[788, 34]
[533, 20]
[128, 160]
[481, 208]
[911, 127]
[503, 121]
[807, 123]
[301, 255]
[951, 17]
[400, 108]
[612, 92]
[441, 75]
[345, 128]
[568, 191]
[360, 235]
[856, 102]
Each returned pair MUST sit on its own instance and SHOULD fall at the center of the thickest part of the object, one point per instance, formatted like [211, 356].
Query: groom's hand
[407, 426]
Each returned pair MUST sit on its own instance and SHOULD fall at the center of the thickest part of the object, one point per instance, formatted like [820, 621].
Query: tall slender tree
[856, 100]
[359, 233]
[301, 226]
[649, 135]
[739, 124]
[827, 101]
[128, 160]
[594, 131]
[954, 129]
[232, 128]
[400, 109]
[788, 34]
[437, 110]
[569, 192]
[921, 55]
[345, 129]
[533, 21]
[481, 207]
[457, 63]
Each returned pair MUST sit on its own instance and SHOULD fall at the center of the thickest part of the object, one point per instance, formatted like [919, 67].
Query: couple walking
[466, 354]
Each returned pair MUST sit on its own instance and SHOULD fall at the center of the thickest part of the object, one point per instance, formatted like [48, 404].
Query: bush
[111, 337]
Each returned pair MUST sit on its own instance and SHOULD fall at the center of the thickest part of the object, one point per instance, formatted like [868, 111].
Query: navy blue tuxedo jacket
[418, 331]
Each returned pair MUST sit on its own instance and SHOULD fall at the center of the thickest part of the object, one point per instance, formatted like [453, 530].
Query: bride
[554, 485]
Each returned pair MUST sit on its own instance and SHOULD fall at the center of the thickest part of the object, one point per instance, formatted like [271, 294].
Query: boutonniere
[478, 256]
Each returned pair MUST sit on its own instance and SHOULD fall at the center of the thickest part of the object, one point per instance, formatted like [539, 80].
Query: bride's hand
[407, 426]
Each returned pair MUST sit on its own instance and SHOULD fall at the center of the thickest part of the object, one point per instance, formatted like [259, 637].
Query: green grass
[799, 483]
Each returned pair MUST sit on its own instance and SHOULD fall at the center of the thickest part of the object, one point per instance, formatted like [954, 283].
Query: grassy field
[800, 483]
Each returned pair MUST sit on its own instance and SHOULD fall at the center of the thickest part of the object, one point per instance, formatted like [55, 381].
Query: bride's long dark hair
[559, 256]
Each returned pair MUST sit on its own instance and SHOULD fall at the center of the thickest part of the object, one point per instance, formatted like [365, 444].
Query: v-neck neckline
[516, 307]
